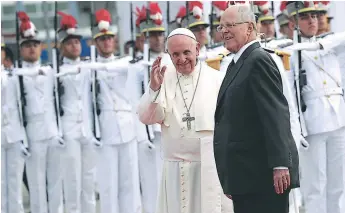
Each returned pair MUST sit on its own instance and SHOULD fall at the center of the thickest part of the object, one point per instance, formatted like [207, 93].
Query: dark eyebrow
[186, 51]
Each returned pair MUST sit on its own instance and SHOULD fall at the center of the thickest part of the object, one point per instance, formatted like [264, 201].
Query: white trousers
[44, 172]
[118, 178]
[79, 161]
[12, 166]
[150, 167]
[323, 170]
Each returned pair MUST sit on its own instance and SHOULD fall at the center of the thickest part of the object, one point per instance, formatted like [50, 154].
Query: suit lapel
[231, 74]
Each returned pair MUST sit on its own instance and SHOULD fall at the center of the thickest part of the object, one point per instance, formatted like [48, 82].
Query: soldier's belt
[323, 93]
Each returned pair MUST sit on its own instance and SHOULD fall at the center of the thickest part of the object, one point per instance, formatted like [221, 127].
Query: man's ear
[197, 48]
[291, 25]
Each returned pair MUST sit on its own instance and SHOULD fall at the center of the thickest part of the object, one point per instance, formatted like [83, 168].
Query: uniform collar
[311, 39]
[70, 61]
[30, 64]
[154, 55]
[105, 60]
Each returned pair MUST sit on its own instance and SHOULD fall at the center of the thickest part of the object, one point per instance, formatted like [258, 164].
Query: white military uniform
[12, 163]
[43, 167]
[323, 164]
[190, 182]
[150, 160]
[79, 157]
[117, 169]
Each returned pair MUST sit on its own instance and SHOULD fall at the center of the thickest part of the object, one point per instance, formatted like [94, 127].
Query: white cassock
[189, 182]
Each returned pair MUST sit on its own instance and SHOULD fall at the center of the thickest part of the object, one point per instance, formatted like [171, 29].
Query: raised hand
[157, 74]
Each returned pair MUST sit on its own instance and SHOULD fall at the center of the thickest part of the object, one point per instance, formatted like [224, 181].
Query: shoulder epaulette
[281, 53]
[214, 62]
[285, 56]
[324, 35]
[136, 59]
[268, 50]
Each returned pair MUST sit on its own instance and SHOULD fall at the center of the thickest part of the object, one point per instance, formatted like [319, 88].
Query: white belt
[323, 93]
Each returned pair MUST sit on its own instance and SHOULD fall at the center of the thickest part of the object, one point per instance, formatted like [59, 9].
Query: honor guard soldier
[323, 108]
[322, 18]
[283, 21]
[79, 157]
[266, 20]
[43, 166]
[150, 22]
[117, 170]
[12, 135]
[193, 20]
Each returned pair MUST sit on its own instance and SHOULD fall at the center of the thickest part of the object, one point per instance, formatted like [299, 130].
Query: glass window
[8, 10]
[38, 22]
[31, 8]
[62, 5]
[8, 24]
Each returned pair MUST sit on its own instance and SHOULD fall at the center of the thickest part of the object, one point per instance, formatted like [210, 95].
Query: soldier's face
[183, 52]
[139, 43]
[267, 27]
[200, 34]
[71, 48]
[308, 24]
[105, 45]
[322, 21]
[156, 40]
[216, 36]
[3, 56]
[30, 51]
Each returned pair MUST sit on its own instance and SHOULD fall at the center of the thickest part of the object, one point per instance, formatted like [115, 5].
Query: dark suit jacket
[252, 126]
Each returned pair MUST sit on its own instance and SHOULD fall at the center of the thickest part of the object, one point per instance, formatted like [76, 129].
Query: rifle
[168, 16]
[211, 25]
[149, 130]
[132, 48]
[272, 6]
[95, 88]
[300, 75]
[58, 88]
[25, 148]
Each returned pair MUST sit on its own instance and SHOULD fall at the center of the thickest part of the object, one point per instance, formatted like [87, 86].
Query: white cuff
[154, 95]
[280, 167]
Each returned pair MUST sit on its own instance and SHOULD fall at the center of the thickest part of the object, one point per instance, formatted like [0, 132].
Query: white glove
[32, 73]
[96, 143]
[306, 46]
[304, 143]
[60, 141]
[25, 152]
[93, 66]
[149, 144]
[68, 72]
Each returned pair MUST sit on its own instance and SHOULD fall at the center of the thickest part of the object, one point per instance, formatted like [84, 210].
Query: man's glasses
[228, 26]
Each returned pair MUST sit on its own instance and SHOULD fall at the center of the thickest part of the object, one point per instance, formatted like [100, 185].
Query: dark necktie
[231, 65]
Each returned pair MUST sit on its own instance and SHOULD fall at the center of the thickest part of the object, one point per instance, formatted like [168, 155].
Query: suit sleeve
[273, 110]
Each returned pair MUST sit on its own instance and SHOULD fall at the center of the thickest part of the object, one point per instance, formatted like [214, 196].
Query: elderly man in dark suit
[256, 156]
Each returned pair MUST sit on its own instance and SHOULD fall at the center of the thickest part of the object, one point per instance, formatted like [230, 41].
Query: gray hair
[245, 14]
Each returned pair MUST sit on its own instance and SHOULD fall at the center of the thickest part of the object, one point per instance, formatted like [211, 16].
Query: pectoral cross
[188, 119]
